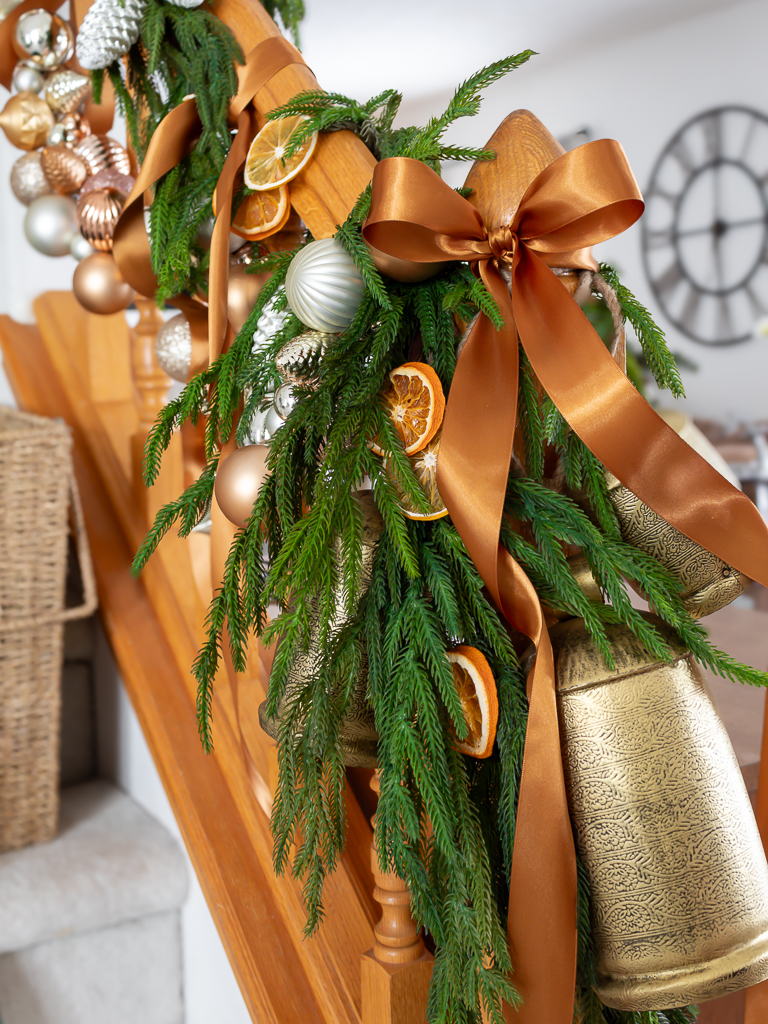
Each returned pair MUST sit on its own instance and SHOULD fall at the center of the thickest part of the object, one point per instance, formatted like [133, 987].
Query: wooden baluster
[151, 388]
[397, 971]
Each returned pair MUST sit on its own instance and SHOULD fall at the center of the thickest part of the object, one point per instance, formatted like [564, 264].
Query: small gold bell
[358, 731]
[663, 824]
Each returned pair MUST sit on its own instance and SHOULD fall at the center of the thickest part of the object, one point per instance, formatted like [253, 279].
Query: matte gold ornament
[358, 734]
[64, 170]
[27, 78]
[27, 179]
[173, 348]
[101, 152]
[98, 286]
[43, 38]
[323, 286]
[99, 211]
[239, 478]
[66, 90]
[242, 294]
[663, 825]
[26, 120]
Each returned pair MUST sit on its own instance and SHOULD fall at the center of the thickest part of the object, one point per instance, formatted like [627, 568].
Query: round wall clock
[705, 229]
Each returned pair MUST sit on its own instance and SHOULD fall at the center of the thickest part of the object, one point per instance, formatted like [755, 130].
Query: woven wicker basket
[37, 491]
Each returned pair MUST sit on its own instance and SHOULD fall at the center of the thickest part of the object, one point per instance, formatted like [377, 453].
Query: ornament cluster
[73, 182]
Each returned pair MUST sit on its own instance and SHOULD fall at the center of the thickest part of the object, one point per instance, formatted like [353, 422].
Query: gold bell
[663, 824]
[358, 734]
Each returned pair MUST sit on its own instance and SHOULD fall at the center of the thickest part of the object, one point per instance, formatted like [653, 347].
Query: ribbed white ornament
[323, 286]
[108, 31]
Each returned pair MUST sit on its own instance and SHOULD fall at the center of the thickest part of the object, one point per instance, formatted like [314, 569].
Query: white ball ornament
[173, 347]
[50, 224]
[27, 179]
[323, 286]
[27, 78]
[79, 247]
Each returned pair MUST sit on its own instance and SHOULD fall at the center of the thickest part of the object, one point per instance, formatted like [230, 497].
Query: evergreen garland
[445, 821]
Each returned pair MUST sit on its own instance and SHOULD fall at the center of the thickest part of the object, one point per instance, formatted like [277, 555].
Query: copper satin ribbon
[582, 198]
[173, 140]
[100, 115]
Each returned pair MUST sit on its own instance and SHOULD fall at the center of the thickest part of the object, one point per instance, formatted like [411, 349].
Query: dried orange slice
[266, 165]
[415, 403]
[261, 214]
[424, 465]
[477, 693]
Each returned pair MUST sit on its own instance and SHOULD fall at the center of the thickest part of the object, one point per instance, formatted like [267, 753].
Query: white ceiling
[423, 47]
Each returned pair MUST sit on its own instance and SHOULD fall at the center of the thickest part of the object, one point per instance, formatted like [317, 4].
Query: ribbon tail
[623, 431]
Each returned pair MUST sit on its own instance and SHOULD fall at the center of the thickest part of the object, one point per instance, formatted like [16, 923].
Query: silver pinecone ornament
[108, 31]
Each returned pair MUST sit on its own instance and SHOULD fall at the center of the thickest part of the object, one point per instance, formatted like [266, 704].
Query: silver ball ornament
[43, 38]
[272, 422]
[80, 248]
[57, 136]
[27, 179]
[173, 347]
[284, 401]
[323, 286]
[50, 224]
[27, 78]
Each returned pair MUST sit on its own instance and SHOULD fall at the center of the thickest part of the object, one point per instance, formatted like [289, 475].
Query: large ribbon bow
[584, 197]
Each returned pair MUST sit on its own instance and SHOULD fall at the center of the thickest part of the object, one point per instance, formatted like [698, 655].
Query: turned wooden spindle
[151, 385]
[397, 971]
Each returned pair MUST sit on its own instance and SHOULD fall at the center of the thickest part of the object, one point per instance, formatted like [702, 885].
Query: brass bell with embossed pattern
[663, 824]
[358, 734]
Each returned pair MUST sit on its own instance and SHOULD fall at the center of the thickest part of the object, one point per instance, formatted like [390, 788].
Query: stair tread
[110, 862]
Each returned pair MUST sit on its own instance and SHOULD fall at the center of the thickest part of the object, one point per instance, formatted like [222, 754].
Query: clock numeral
[669, 280]
[724, 328]
[682, 154]
[713, 134]
[660, 239]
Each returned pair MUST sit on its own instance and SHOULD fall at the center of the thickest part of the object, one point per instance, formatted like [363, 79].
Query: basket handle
[90, 598]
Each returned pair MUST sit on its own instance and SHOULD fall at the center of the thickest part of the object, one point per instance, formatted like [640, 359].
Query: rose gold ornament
[98, 286]
[405, 271]
[65, 90]
[99, 212]
[101, 152]
[239, 479]
[64, 171]
[243, 291]
[27, 179]
[26, 119]
[110, 178]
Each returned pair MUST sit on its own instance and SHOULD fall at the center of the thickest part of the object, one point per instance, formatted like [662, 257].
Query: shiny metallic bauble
[98, 286]
[242, 293]
[662, 822]
[27, 78]
[273, 421]
[65, 90]
[26, 120]
[64, 170]
[323, 286]
[239, 478]
[57, 136]
[298, 360]
[173, 348]
[284, 401]
[406, 271]
[27, 179]
[50, 223]
[79, 247]
[101, 152]
[43, 38]
[70, 130]
[99, 211]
